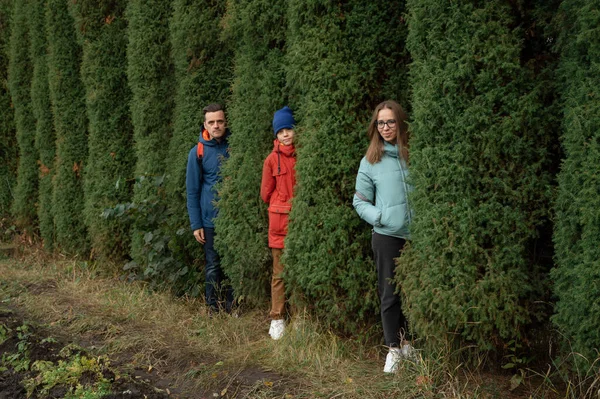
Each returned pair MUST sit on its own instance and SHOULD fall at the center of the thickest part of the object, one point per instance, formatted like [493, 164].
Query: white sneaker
[391, 360]
[277, 328]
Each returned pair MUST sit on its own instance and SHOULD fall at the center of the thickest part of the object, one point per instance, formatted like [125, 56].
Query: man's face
[215, 123]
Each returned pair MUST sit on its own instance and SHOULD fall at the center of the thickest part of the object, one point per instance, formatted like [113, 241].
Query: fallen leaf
[423, 380]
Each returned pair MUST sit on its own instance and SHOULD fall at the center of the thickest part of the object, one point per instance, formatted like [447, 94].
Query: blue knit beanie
[283, 119]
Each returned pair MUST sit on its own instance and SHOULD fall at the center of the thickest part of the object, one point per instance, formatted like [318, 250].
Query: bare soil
[40, 349]
[136, 384]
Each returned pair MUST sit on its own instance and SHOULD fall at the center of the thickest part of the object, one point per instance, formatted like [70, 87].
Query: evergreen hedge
[202, 71]
[20, 70]
[483, 131]
[102, 28]
[479, 165]
[67, 95]
[577, 223]
[150, 77]
[340, 62]
[44, 137]
[8, 138]
[256, 30]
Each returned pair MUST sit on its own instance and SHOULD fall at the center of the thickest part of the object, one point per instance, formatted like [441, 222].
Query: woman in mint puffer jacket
[381, 200]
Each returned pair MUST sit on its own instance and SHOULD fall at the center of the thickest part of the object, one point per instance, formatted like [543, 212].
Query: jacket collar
[288, 150]
[390, 149]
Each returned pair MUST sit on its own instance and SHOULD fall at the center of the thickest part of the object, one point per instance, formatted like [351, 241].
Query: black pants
[385, 249]
[216, 291]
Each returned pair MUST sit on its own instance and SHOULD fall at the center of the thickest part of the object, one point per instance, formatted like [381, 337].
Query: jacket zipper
[408, 210]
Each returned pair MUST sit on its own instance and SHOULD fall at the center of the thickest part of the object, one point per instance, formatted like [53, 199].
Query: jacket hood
[288, 150]
[206, 140]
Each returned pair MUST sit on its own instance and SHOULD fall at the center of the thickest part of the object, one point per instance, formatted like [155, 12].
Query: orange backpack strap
[200, 151]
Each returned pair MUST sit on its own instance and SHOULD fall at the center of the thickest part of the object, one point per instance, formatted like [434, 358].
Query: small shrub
[158, 262]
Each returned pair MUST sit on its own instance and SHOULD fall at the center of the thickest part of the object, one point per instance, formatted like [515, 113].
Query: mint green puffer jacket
[381, 194]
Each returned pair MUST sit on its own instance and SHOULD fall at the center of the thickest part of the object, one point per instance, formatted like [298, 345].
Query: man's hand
[199, 236]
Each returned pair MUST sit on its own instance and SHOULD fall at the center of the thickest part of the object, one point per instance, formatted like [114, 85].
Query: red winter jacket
[277, 190]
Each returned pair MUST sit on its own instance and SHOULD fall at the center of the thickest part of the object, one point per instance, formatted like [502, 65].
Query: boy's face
[215, 123]
[286, 136]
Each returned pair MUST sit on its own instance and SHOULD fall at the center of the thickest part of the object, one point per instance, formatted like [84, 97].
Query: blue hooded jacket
[200, 180]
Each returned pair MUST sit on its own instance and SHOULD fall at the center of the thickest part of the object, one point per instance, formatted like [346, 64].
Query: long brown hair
[375, 150]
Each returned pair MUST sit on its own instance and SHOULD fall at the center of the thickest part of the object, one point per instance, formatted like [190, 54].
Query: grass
[233, 357]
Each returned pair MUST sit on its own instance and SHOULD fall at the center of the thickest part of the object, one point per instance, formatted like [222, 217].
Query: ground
[25, 342]
[66, 332]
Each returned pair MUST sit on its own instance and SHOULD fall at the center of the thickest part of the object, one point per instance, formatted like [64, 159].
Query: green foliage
[19, 360]
[8, 138]
[516, 361]
[577, 226]
[256, 30]
[202, 71]
[150, 77]
[340, 59]
[479, 166]
[20, 71]
[44, 136]
[160, 261]
[4, 333]
[68, 373]
[103, 30]
[70, 123]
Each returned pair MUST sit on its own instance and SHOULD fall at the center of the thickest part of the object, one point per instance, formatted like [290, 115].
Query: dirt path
[35, 351]
[24, 344]
[30, 355]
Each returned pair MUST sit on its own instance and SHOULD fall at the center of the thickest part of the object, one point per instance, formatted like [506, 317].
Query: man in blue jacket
[203, 168]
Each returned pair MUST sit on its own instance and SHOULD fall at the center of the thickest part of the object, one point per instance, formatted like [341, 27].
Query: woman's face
[387, 126]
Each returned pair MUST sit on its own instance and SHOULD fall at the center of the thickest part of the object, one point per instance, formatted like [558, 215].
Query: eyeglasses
[390, 122]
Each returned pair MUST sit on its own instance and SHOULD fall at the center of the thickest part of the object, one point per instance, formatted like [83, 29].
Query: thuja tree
[150, 76]
[44, 136]
[103, 30]
[67, 95]
[20, 72]
[8, 138]
[577, 225]
[202, 70]
[479, 168]
[256, 29]
[341, 61]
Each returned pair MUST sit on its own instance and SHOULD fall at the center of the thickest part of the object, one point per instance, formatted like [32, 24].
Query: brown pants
[277, 287]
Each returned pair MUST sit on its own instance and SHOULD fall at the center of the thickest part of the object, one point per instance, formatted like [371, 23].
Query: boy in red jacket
[277, 190]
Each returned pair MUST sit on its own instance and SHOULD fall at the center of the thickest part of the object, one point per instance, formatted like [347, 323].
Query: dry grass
[235, 357]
